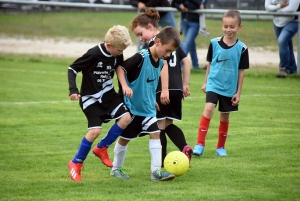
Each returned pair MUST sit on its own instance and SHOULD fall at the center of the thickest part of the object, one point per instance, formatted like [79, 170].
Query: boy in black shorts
[139, 77]
[228, 58]
[97, 98]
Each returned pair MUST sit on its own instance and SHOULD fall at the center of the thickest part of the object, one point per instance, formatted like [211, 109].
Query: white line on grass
[34, 102]
[35, 71]
[257, 95]
[68, 101]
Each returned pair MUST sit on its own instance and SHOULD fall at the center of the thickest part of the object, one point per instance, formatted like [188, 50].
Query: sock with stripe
[202, 131]
[83, 151]
[223, 130]
[114, 132]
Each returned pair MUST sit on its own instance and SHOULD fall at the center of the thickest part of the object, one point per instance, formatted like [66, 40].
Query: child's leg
[85, 145]
[176, 136]
[155, 151]
[120, 153]
[100, 150]
[202, 130]
[204, 123]
[115, 131]
[223, 130]
[163, 141]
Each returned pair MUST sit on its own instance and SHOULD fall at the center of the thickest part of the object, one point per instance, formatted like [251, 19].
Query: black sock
[176, 135]
[163, 141]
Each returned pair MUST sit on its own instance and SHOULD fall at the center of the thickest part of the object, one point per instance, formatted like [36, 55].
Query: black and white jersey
[174, 67]
[98, 67]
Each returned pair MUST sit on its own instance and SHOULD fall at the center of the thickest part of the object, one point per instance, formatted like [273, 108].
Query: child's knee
[93, 133]
[124, 121]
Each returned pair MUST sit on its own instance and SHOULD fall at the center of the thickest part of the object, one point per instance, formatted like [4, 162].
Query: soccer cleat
[119, 173]
[102, 153]
[75, 171]
[203, 32]
[188, 151]
[160, 175]
[221, 152]
[198, 150]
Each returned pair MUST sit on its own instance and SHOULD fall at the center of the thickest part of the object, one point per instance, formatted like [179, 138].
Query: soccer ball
[176, 163]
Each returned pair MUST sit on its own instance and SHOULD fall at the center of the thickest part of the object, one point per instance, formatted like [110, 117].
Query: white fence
[129, 7]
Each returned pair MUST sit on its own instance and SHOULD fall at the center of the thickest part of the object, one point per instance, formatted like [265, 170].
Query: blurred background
[212, 4]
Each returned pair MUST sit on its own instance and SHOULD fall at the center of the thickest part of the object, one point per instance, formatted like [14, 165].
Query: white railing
[129, 7]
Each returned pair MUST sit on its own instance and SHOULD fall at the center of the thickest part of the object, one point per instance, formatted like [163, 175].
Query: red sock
[202, 131]
[223, 130]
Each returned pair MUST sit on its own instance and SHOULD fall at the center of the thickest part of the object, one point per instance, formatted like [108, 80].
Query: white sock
[155, 152]
[119, 156]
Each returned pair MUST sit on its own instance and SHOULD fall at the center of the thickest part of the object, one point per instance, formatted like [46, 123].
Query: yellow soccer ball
[176, 163]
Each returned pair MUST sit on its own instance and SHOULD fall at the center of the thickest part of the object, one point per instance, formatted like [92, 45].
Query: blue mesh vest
[223, 75]
[142, 103]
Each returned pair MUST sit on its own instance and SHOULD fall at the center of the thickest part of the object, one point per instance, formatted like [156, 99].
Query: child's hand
[157, 107]
[203, 88]
[127, 92]
[74, 96]
[235, 100]
[186, 91]
[164, 97]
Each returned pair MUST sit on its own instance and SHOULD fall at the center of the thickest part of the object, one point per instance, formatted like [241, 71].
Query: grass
[93, 25]
[40, 130]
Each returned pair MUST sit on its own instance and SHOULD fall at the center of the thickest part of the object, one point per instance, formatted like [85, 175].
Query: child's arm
[203, 88]
[186, 71]
[164, 75]
[74, 93]
[236, 98]
[121, 77]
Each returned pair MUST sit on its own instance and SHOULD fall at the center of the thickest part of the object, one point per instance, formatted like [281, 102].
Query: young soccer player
[97, 98]
[139, 77]
[227, 59]
[145, 26]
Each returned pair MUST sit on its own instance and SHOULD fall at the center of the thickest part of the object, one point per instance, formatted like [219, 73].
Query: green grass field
[40, 130]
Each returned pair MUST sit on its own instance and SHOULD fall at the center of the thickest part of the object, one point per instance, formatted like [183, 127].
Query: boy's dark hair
[143, 19]
[169, 34]
[234, 14]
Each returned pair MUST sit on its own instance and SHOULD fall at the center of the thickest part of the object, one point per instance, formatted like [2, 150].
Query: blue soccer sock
[83, 151]
[113, 133]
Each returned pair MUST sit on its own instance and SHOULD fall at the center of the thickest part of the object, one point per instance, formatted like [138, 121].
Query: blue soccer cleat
[221, 152]
[198, 150]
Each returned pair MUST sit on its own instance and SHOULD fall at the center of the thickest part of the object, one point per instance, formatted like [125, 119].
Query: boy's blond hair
[118, 36]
